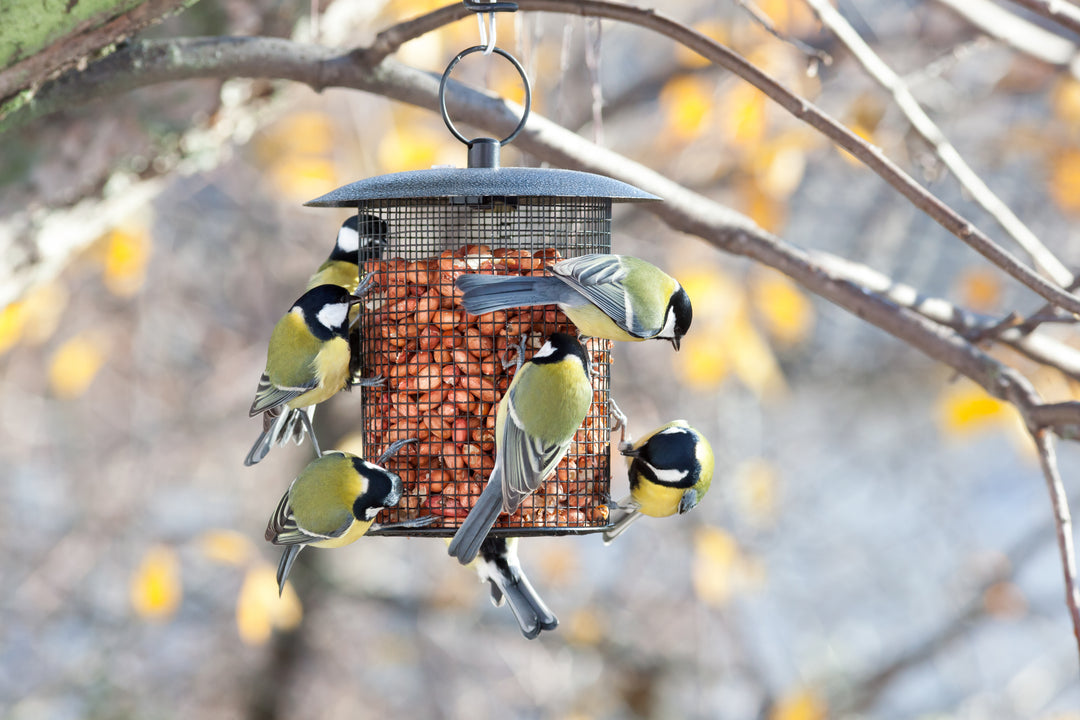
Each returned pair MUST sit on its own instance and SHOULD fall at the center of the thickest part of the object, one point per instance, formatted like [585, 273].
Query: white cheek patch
[348, 239]
[545, 351]
[669, 324]
[669, 476]
[333, 315]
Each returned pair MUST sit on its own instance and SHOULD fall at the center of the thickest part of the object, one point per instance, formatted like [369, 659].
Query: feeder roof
[473, 182]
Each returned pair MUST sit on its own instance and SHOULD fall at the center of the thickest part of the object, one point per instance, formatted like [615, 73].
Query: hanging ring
[446, 76]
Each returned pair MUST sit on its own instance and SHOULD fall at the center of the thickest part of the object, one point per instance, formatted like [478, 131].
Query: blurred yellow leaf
[686, 101]
[302, 133]
[154, 589]
[12, 320]
[43, 307]
[127, 252]
[789, 17]
[752, 360]
[303, 177]
[800, 704]
[715, 558]
[1067, 101]
[786, 311]
[226, 546]
[75, 364]
[755, 482]
[259, 610]
[1065, 179]
[980, 289]
[778, 165]
[744, 115]
[965, 408]
[709, 28]
[763, 209]
[703, 363]
[415, 146]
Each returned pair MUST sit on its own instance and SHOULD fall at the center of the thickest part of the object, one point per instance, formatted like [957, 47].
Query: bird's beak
[675, 343]
[630, 452]
[353, 300]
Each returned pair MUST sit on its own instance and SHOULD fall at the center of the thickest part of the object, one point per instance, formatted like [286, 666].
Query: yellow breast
[354, 533]
[331, 370]
[592, 322]
[657, 500]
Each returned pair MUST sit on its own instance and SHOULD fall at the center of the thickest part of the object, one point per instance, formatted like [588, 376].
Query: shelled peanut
[445, 373]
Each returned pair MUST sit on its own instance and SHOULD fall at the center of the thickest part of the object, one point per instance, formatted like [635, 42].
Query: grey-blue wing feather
[487, 293]
[599, 279]
[525, 462]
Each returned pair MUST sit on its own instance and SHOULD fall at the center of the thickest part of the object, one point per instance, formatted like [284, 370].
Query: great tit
[332, 503]
[307, 362]
[363, 237]
[534, 425]
[617, 297]
[671, 469]
[498, 564]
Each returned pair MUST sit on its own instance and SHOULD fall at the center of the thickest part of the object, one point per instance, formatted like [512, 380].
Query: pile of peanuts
[445, 373]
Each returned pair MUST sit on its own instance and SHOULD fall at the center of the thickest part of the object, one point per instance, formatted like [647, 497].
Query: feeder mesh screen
[446, 370]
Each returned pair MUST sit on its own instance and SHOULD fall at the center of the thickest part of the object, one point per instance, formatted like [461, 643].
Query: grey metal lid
[473, 182]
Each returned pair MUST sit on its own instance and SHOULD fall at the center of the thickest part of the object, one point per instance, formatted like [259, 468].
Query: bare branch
[241, 63]
[973, 326]
[1063, 13]
[759, 16]
[81, 44]
[1018, 33]
[932, 134]
[1062, 523]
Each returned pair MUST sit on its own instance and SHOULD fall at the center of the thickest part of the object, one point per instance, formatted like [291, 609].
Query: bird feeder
[445, 371]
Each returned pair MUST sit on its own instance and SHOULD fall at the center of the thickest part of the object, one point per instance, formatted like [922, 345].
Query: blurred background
[878, 540]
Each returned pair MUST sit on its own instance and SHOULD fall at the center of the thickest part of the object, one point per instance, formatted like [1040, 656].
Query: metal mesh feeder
[446, 370]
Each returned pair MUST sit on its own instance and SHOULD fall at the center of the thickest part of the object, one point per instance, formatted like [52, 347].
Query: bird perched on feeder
[671, 469]
[361, 237]
[498, 564]
[616, 297]
[534, 425]
[331, 503]
[307, 362]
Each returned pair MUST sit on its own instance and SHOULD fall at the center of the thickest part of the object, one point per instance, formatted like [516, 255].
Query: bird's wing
[526, 461]
[599, 279]
[268, 395]
[283, 529]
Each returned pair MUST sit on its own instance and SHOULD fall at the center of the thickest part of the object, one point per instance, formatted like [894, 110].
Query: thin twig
[1063, 13]
[1062, 523]
[932, 134]
[758, 15]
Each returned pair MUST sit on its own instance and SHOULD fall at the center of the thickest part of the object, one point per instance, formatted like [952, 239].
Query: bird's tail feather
[531, 612]
[259, 449]
[621, 518]
[487, 293]
[467, 540]
[283, 568]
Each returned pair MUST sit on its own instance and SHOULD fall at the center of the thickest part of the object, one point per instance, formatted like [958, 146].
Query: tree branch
[932, 134]
[1063, 13]
[244, 58]
[1062, 523]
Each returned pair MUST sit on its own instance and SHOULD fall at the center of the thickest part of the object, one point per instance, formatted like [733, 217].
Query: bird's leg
[620, 421]
[371, 382]
[519, 358]
[394, 448]
[419, 522]
[311, 432]
[365, 285]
